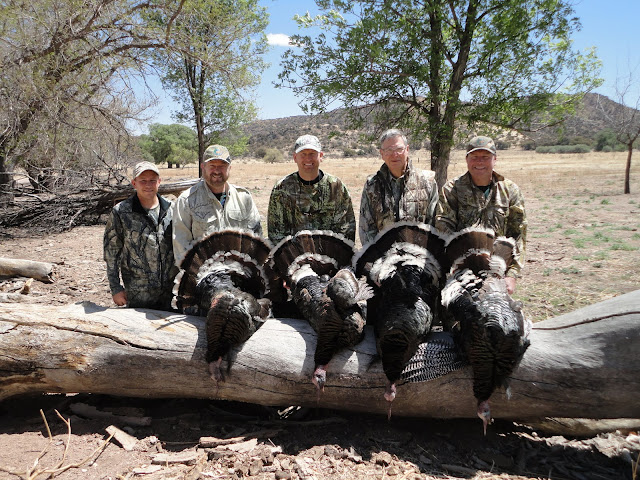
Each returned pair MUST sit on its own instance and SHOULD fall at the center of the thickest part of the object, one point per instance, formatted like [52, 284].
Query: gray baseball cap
[307, 142]
[481, 143]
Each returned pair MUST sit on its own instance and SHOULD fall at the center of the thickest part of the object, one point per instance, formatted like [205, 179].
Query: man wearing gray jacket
[212, 204]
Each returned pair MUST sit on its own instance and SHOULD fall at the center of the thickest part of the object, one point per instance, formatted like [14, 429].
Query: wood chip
[185, 458]
[243, 447]
[147, 469]
[127, 441]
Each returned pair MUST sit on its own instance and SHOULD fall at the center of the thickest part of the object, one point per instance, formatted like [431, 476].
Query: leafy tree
[606, 138]
[222, 60]
[67, 69]
[424, 65]
[175, 144]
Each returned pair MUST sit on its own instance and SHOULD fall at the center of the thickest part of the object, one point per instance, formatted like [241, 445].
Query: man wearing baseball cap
[398, 191]
[483, 197]
[138, 245]
[309, 199]
[212, 204]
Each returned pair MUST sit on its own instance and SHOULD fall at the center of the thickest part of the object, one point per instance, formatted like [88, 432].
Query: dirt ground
[583, 247]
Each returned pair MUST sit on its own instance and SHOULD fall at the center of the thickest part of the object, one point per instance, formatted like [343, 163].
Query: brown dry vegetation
[583, 247]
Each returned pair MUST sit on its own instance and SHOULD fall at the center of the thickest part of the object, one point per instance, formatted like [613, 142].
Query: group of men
[146, 237]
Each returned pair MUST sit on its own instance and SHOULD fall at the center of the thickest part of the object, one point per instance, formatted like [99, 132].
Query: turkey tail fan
[505, 248]
[434, 358]
[237, 254]
[467, 240]
[323, 249]
[407, 232]
[229, 240]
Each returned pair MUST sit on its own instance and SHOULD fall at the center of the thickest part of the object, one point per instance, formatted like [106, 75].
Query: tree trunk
[12, 267]
[584, 364]
[627, 170]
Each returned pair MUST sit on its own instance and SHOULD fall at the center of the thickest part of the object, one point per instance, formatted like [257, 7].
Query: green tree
[175, 144]
[426, 65]
[222, 61]
[67, 69]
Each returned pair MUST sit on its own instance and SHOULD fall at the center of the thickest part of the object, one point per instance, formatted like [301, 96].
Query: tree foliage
[67, 72]
[175, 144]
[427, 66]
[222, 60]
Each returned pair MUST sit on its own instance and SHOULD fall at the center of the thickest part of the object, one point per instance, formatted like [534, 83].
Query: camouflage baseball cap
[307, 141]
[143, 167]
[481, 143]
[217, 152]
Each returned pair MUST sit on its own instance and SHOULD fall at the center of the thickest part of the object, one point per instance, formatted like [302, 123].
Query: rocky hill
[331, 128]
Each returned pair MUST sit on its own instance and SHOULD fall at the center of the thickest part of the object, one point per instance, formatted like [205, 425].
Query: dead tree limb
[15, 267]
[584, 364]
[62, 212]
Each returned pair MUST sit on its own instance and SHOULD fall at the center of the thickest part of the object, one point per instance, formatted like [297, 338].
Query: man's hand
[511, 285]
[120, 298]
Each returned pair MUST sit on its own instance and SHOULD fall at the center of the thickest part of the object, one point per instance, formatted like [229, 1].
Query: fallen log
[583, 364]
[15, 267]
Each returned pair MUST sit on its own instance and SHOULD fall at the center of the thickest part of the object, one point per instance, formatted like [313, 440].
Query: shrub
[580, 148]
[273, 155]
[261, 152]
[349, 152]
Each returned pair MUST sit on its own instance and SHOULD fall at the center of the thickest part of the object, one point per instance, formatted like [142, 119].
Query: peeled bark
[584, 364]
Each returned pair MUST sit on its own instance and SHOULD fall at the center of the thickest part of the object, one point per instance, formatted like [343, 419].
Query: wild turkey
[403, 263]
[314, 265]
[491, 328]
[224, 277]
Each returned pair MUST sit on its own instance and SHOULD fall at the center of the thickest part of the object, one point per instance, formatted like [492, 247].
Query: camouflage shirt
[387, 200]
[138, 248]
[295, 206]
[463, 205]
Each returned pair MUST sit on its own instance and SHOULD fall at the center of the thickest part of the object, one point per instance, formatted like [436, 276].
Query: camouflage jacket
[463, 205]
[386, 200]
[197, 212]
[325, 205]
[138, 248]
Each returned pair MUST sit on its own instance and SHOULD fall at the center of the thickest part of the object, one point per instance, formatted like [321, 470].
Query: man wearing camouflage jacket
[482, 197]
[137, 245]
[398, 191]
[309, 199]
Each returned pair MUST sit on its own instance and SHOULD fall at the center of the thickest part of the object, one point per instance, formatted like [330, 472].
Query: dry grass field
[583, 247]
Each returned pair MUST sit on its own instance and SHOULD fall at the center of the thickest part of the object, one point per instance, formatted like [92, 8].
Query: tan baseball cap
[143, 167]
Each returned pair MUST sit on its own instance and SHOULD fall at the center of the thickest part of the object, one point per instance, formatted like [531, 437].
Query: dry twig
[35, 471]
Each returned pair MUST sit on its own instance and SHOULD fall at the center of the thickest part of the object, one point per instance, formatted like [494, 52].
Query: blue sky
[609, 26]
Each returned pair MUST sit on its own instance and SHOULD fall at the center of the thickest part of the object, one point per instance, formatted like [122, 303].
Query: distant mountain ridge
[331, 128]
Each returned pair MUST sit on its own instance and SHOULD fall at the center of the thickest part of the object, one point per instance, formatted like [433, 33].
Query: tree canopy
[429, 66]
[221, 61]
[67, 72]
[175, 144]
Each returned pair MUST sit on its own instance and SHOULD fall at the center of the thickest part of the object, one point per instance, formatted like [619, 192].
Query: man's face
[308, 162]
[395, 154]
[216, 173]
[146, 184]
[480, 165]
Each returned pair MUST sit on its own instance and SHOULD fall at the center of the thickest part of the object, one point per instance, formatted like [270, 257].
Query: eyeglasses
[397, 150]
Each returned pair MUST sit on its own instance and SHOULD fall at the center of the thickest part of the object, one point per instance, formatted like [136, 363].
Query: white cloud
[278, 39]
